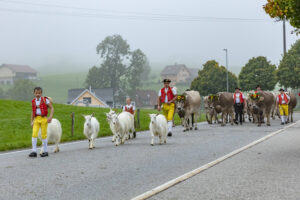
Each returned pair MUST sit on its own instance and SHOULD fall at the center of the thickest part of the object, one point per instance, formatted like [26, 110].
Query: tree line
[258, 71]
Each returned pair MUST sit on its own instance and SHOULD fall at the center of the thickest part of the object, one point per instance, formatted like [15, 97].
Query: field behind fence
[15, 129]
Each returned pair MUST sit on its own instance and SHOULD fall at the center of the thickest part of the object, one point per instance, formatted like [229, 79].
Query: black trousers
[238, 108]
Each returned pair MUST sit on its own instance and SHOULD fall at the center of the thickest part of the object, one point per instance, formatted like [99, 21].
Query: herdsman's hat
[258, 86]
[281, 89]
[237, 88]
[166, 80]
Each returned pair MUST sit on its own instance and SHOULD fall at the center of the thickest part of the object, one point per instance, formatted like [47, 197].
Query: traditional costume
[283, 100]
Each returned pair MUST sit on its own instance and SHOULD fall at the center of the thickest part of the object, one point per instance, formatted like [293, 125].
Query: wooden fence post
[138, 118]
[73, 122]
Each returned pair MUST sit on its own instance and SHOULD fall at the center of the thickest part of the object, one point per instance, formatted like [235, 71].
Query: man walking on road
[239, 103]
[166, 97]
[282, 102]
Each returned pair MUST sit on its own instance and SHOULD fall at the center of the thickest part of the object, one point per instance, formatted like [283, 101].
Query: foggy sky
[69, 43]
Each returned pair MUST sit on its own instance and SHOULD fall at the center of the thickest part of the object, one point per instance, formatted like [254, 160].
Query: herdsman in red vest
[166, 99]
[258, 89]
[282, 103]
[39, 120]
[131, 109]
[239, 104]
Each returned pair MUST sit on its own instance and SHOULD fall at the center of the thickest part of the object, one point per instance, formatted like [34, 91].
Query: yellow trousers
[284, 110]
[168, 111]
[40, 123]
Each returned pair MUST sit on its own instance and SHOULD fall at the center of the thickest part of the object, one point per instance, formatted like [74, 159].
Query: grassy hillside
[56, 86]
[15, 129]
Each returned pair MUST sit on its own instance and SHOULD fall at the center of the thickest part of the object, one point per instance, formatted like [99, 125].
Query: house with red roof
[9, 73]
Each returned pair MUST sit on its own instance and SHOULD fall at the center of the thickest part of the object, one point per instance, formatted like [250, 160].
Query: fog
[52, 38]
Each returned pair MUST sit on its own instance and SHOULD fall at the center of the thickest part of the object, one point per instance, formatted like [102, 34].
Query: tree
[132, 78]
[288, 72]
[258, 71]
[120, 69]
[212, 79]
[22, 90]
[285, 9]
[113, 50]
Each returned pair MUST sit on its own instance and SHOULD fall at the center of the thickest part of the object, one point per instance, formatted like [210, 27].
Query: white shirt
[128, 107]
[166, 90]
[282, 97]
[237, 100]
[38, 102]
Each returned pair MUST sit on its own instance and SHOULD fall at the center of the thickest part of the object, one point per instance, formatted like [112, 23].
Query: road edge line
[196, 171]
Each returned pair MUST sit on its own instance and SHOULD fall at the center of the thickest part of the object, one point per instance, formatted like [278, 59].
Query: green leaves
[258, 71]
[285, 9]
[120, 68]
[212, 79]
[288, 73]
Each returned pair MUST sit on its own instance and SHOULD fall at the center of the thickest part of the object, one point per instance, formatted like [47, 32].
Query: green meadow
[15, 129]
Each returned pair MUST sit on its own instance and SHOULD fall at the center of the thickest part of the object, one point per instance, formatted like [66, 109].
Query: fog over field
[60, 36]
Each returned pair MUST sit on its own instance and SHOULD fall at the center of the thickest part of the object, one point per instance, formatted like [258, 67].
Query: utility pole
[226, 51]
[284, 38]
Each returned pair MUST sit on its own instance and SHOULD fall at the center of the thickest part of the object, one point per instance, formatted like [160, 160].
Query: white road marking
[194, 172]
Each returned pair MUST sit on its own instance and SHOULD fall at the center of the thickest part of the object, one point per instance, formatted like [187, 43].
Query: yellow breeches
[168, 111]
[284, 110]
[40, 122]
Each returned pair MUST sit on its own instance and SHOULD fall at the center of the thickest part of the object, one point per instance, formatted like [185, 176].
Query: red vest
[241, 97]
[169, 94]
[130, 110]
[280, 99]
[43, 107]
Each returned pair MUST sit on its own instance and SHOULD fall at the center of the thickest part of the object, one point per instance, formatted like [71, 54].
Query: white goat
[121, 125]
[54, 132]
[91, 129]
[109, 119]
[158, 127]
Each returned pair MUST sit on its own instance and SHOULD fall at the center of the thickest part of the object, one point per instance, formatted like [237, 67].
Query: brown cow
[210, 111]
[190, 106]
[292, 105]
[262, 107]
[224, 102]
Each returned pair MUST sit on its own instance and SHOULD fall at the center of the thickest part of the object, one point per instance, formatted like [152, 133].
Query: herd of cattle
[222, 103]
[188, 108]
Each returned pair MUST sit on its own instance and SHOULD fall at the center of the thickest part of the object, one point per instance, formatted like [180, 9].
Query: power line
[120, 14]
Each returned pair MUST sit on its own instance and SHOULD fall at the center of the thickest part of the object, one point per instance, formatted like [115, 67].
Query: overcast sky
[42, 36]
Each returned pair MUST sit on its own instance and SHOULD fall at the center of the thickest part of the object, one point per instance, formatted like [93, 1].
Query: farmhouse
[10, 73]
[91, 97]
[178, 73]
[146, 98]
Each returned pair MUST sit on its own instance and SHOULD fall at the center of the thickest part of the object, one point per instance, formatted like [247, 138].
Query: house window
[87, 99]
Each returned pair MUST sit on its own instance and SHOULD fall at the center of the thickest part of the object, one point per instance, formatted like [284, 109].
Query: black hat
[281, 89]
[166, 80]
[257, 86]
[237, 88]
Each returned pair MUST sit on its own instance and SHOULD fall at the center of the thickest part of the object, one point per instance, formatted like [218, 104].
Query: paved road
[267, 171]
[123, 172]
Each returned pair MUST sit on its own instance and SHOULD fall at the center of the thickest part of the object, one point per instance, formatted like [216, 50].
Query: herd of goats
[187, 107]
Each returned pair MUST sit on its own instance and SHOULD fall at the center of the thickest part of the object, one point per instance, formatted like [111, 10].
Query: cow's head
[180, 102]
[254, 102]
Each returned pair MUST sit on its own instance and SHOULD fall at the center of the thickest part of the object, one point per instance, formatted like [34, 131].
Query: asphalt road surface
[126, 171]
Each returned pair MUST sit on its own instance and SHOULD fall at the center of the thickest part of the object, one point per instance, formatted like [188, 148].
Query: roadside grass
[15, 129]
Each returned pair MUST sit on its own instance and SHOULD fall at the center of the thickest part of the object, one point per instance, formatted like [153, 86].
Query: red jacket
[284, 97]
[241, 97]
[43, 106]
[130, 110]
[169, 94]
